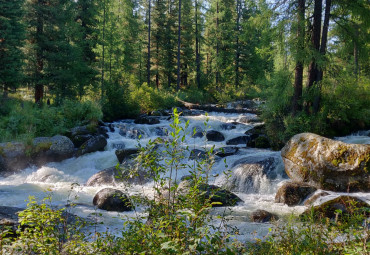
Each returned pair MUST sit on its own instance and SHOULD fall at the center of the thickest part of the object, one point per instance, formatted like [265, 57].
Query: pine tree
[12, 35]
[86, 38]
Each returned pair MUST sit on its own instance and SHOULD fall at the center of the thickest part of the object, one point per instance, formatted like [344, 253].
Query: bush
[149, 99]
[316, 236]
[27, 120]
[345, 108]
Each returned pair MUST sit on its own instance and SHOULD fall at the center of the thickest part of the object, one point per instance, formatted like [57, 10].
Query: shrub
[27, 120]
[148, 99]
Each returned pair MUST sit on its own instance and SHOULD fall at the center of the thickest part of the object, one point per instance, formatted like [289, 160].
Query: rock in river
[112, 200]
[293, 193]
[327, 164]
[215, 136]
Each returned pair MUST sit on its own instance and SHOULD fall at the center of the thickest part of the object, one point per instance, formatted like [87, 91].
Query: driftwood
[216, 108]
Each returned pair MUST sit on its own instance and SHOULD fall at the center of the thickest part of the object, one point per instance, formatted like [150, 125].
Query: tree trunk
[217, 48]
[355, 55]
[313, 71]
[315, 40]
[157, 71]
[39, 87]
[103, 63]
[324, 41]
[298, 80]
[237, 55]
[148, 63]
[197, 51]
[178, 49]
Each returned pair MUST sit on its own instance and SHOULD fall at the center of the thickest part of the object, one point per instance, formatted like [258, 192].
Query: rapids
[65, 180]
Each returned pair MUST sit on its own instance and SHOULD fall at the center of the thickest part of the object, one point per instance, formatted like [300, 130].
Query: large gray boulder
[95, 143]
[112, 200]
[13, 157]
[327, 164]
[51, 149]
[126, 154]
[125, 173]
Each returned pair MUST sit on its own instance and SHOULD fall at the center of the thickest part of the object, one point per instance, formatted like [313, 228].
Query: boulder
[214, 193]
[262, 216]
[253, 174]
[9, 220]
[215, 136]
[125, 154]
[148, 120]
[13, 157]
[327, 164]
[197, 154]
[293, 193]
[347, 204]
[78, 140]
[96, 143]
[238, 140]
[51, 149]
[112, 200]
[125, 173]
[226, 151]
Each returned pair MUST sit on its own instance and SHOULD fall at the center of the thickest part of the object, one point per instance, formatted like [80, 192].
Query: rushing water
[66, 180]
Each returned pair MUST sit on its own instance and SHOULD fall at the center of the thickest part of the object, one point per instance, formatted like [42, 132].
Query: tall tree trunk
[355, 55]
[103, 56]
[315, 40]
[157, 71]
[178, 49]
[298, 80]
[237, 55]
[197, 51]
[217, 48]
[148, 63]
[313, 71]
[39, 87]
[324, 41]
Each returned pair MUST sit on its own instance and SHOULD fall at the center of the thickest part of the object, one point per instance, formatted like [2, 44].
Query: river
[65, 180]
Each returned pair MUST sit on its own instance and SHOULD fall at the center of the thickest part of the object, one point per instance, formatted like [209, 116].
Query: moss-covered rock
[293, 193]
[12, 157]
[327, 164]
[339, 207]
[51, 149]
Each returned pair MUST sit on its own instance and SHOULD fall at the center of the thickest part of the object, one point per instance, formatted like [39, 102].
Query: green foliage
[148, 99]
[317, 236]
[12, 33]
[27, 120]
[344, 108]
